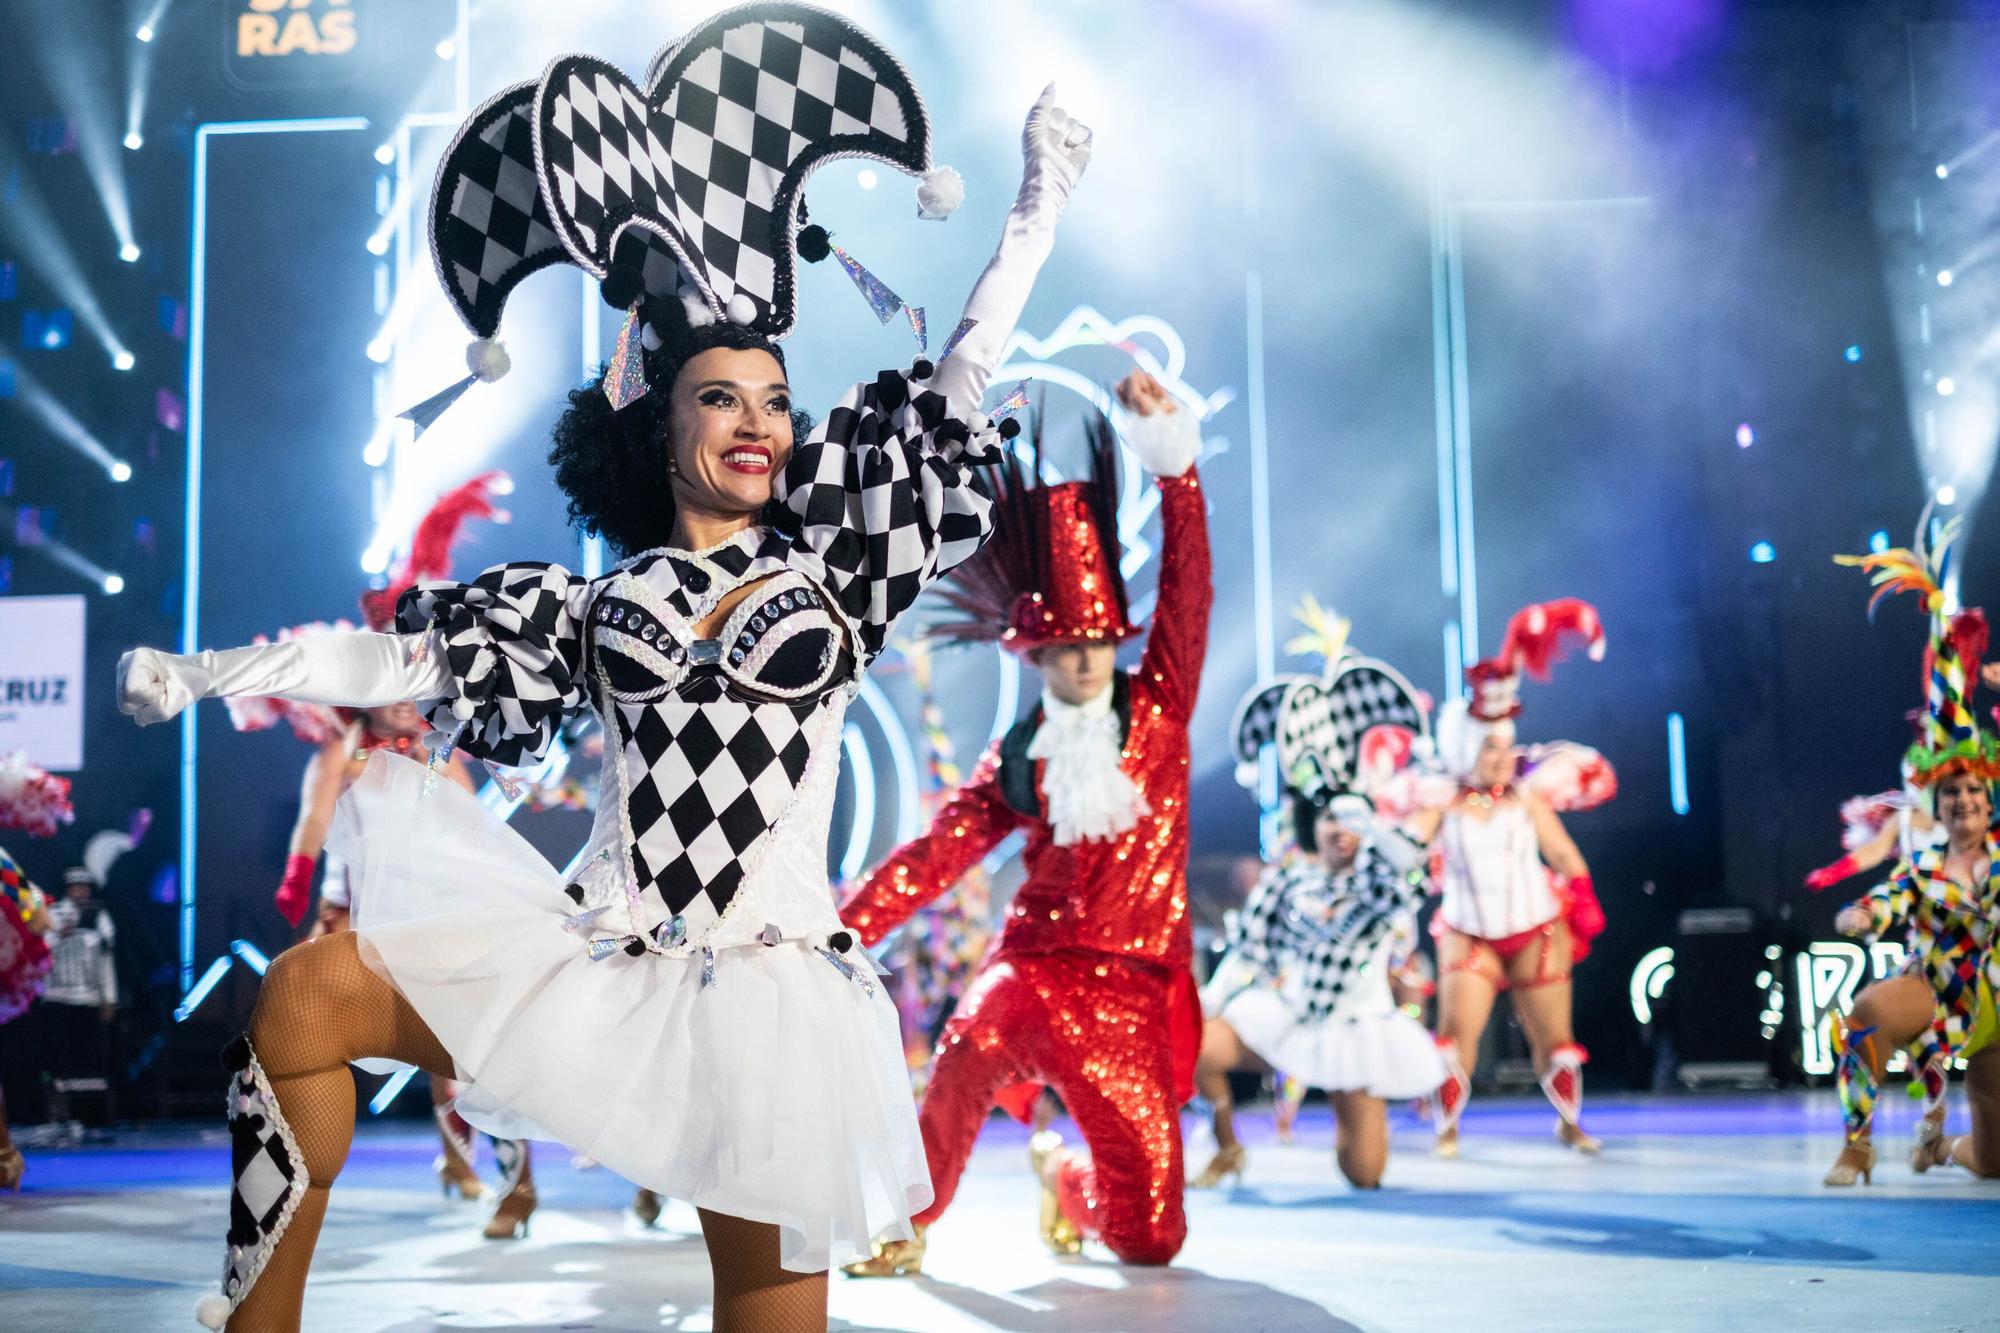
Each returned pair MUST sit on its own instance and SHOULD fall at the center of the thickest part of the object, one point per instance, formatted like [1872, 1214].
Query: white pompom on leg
[940, 193]
[212, 1310]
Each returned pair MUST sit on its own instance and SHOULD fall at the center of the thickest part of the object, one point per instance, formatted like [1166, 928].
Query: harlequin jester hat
[1950, 741]
[1340, 731]
[689, 186]
[1049, 574]
[429, 558]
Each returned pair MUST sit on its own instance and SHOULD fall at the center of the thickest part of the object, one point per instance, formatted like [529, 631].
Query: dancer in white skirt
[1305, 984]
[1305, 987]
[686, 1009]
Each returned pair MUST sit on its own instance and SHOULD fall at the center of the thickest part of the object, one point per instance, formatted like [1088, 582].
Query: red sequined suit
[1087, 989]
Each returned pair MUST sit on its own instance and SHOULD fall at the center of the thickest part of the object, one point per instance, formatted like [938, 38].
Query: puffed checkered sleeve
[513, 644]
[884, 498]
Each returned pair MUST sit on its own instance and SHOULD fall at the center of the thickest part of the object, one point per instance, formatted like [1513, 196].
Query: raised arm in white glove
[1055, 149]
[1163, 433]
[346, 670]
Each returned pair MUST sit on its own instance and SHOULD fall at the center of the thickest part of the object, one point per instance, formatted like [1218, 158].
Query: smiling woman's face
[729, 428]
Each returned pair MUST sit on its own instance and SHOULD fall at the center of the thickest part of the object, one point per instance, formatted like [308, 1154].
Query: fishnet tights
[753, 1294]
[320, 1008]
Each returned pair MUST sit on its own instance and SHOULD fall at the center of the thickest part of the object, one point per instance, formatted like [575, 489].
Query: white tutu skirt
[1386, 1054]
[778, 1095]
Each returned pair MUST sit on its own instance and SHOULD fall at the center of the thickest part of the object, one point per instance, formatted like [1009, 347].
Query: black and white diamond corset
[719, 788]
[715, 735]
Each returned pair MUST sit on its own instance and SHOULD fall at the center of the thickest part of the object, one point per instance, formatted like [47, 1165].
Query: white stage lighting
[446, 49]
[1943, 170]
[145, 33]
[379, 350]
[58, 420]
[88, 570]
[1947, 386]
[1947, 495]
[134, 140]
[385, 153]
[121, 471]
[129, 252]
[1944, 277]
[123, 360]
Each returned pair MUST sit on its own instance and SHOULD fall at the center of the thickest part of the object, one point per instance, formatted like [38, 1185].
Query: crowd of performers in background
[1084, 994]
[1940, 900]
[1318, 979]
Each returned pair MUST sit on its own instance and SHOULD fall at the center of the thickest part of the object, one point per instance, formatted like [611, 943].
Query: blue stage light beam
[39, 238]
[33, 398]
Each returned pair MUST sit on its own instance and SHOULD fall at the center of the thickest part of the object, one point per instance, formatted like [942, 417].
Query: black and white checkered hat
[691, 185]
[1316, 724]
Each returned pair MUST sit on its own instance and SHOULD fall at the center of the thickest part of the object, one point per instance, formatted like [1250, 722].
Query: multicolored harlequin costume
[24, 954]
[685, 1006]
[35, 802]
[1087, 989]
[1948, 927]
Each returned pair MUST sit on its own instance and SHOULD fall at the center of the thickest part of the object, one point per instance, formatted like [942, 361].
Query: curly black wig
[612, 464]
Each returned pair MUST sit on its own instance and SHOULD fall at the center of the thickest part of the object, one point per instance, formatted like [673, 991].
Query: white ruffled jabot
[1090, 796]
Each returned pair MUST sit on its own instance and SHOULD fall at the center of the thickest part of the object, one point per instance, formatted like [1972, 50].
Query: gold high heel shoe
[1446, 1146]
[1572, 1135]
[12, 1167]
[1058, 1232]
[1227, 1162]
[892, 1258]
[1929, 1146]
[510, 1219]
[1857, 1158]
[646, 1207]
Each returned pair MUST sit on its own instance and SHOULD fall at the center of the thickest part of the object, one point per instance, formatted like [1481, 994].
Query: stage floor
[1705, 1212]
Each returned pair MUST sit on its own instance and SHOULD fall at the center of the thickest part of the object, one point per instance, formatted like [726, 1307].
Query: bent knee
[319, 977]
[1153, 1247]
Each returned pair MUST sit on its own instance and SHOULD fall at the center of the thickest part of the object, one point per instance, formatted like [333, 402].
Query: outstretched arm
[1166, 437]
[352, 670]
[964, 830]
[1054, 150]
[1863, 858]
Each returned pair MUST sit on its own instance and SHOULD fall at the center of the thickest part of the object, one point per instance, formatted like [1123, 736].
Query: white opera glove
[1166, 443]
[345, 670]
[1055, 149]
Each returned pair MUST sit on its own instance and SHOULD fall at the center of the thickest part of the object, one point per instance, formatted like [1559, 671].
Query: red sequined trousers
[1096, 1029]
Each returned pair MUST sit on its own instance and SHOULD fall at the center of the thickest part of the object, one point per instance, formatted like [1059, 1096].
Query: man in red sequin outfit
[1087, 989]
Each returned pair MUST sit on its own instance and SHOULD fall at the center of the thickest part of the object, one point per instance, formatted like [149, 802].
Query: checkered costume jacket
[1312, 934]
